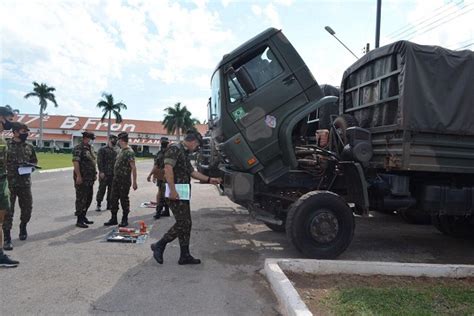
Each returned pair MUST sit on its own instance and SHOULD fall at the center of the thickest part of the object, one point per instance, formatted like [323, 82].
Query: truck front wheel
[320, 225]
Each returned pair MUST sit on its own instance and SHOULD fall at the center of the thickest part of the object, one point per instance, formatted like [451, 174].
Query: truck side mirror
[245, 80]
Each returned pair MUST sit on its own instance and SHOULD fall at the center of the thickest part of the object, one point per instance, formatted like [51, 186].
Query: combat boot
[166, 212]
[158, 249]
[6, 262]
[80, 222]
[186, 258]
[124, 222]
[113, 221]
[7, 244]
[23, 233]
[87, 221]
[98, 207]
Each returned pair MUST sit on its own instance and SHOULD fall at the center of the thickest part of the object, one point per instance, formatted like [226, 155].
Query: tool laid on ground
[129, 235]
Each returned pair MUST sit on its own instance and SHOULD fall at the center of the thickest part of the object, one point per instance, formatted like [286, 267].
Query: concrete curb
[292, 304]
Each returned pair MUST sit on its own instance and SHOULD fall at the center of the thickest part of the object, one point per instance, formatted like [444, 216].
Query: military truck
[399, 137]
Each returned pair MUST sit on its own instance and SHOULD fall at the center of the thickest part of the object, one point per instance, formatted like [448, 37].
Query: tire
[277, 228]
[415, 216]
[456, 226]
[329, 211]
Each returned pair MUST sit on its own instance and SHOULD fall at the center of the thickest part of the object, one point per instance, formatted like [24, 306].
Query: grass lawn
[385, 295]
[53, 161]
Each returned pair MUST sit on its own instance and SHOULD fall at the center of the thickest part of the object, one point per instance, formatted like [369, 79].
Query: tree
[44, 94]
[178, 119]
[108, 108]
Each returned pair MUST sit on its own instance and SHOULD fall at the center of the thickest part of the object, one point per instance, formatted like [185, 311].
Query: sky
[152, 54]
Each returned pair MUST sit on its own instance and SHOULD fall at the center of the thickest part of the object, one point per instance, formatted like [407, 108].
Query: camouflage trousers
[120, 191]
[182, 227]
[25, 201]
[161, 193]
[84, 194]
[104, 185]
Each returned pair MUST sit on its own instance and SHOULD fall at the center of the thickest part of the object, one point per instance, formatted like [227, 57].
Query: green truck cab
[299, 159]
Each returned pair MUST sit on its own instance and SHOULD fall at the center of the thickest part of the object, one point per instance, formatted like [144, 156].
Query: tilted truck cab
[304, 161]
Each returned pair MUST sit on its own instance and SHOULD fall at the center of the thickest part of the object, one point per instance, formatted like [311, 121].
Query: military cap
[164, 140]
[88, 135]
[6, 111]
[195, 135]
[123, 135]
[16, 126]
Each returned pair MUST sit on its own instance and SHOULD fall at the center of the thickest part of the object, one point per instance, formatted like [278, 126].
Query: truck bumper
[238, 186]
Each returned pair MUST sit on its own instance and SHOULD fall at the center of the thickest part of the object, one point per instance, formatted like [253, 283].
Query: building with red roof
[64, 132]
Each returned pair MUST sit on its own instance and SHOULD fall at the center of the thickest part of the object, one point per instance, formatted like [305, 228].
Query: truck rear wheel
[456, 226]
[320, 225]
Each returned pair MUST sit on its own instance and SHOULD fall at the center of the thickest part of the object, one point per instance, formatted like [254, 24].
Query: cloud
[269, 14]
[439, 23]
[82, 47]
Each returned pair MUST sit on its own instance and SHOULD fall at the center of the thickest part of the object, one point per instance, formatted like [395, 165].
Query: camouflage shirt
[3, 156]
[106, 160]
[160, 159]
[178, 158]
[84, 154]
[122, 169]
[19, 154]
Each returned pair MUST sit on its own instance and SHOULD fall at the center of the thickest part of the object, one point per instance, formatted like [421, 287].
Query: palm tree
[108, 107]
[45, 94]
[178, 120]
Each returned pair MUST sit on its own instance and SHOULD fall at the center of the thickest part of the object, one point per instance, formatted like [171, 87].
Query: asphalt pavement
[67, 270]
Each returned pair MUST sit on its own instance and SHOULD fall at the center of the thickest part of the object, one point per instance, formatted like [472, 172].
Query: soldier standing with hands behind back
[178, 170]
[85, 174]
[20, 154]
[105, 163]
[125, 175]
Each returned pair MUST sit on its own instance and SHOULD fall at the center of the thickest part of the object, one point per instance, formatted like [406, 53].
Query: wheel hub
[324, 226]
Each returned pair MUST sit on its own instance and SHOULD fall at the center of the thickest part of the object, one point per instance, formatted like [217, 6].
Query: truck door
[258, 114]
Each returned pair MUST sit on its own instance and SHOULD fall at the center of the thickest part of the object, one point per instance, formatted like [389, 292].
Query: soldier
[178, 170]
[158, 174]
[105, 163]
[85, 174]
[125, 175]
[6, 116]
[20, 154]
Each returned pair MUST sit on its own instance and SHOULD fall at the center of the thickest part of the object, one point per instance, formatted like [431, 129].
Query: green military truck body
[418, 103]
[394, 143]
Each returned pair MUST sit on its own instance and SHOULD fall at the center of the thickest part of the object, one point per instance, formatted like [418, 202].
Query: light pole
[331, 31]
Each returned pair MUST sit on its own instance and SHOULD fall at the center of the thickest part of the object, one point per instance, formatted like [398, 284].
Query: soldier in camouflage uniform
[6, 116]
[20, 154]
[158, 173]
[178, 170]
[125, 175]
[105, 163]
[85, 174]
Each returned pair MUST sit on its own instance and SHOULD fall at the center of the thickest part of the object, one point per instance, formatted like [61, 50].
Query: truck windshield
[215, 103]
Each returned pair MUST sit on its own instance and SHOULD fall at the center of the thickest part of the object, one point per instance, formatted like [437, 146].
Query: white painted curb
[292, 304]
[56, 170]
